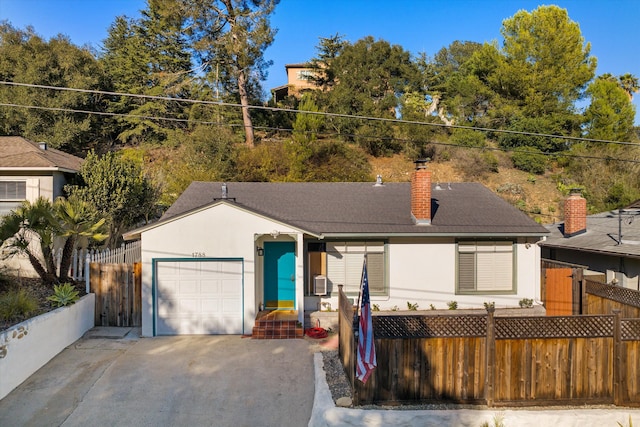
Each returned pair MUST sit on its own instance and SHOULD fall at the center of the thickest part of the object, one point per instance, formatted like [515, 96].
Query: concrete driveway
[169, 381]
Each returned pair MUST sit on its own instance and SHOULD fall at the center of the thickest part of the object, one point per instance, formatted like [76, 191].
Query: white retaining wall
[27, 346]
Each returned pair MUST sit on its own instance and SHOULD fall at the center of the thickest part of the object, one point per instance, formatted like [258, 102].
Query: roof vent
[43, 145]
[225, 193]
[378, 181]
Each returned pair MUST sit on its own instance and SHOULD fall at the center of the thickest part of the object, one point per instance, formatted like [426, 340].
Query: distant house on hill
[297, 82]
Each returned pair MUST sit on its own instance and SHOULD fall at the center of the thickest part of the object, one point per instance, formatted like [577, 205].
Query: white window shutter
[33, 189]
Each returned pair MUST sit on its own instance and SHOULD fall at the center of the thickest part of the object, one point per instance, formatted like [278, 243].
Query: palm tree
[629, 83]
[75, 219]
[29, 230]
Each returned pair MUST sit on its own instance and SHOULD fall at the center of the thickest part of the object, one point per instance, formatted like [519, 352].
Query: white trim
[135, 234]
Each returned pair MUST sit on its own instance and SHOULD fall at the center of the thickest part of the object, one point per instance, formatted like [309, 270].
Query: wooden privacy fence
[497, 361]
[603, 298]
[118, 293]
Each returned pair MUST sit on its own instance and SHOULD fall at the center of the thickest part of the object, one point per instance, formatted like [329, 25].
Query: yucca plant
[64, 294]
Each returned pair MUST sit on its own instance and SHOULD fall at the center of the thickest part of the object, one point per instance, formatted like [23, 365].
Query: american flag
[366, 358]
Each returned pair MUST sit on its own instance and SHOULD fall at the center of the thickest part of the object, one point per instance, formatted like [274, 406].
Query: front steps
[277, 324]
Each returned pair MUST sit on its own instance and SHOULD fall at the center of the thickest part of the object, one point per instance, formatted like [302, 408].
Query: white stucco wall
[221, 231]
[425, 273]
[27, 346]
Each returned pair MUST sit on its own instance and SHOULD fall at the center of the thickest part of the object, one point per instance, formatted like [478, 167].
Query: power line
[406, 140]
[326, 114]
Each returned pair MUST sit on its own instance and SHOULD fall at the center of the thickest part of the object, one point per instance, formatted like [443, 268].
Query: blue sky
[611, 26]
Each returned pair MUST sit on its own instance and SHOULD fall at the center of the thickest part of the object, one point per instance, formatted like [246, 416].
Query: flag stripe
[366, 355]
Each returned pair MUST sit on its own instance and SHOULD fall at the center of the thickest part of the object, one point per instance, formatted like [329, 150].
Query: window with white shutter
[12, 193]
[344, 266]
[485, 267]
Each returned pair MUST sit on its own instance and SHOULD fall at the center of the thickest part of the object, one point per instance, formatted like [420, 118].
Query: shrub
[453, 305]
[412, 307]
[16, 304]
[526, 303]
[529, 160]
[491, 161]
[468, 138]
[64, 294]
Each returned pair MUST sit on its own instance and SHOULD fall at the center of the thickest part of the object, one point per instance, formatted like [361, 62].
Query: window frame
[483, 243]
[4, 182]
[378, 243]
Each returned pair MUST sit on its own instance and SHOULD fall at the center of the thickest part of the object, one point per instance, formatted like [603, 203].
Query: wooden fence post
[618, 371]
[490, 356]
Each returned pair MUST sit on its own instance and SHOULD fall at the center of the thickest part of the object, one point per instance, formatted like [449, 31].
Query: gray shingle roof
[602, 234]
[362, 208]
[18, 152]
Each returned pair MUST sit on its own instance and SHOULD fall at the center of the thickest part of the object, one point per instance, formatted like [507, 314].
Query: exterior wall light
[260, 251]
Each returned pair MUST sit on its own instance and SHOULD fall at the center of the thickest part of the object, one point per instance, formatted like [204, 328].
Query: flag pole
[360, 291]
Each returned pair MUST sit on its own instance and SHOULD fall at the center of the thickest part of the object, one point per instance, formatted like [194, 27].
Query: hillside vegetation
[177, 95]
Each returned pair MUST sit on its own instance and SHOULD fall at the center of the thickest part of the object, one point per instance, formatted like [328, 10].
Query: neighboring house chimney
[575, 214]
[43, 145]
[421, 194]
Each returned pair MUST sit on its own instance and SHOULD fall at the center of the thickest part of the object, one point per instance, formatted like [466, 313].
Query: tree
[373, 76]
[548, 63]
[118, 190]
[611, 114]
[76, 220]
[29, 230]
[149, 56]
[329, 49]
[32, 228]
[229, 38]
[27, 58]
[629, 83]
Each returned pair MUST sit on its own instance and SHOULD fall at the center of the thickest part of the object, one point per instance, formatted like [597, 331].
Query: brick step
[270, 322]
[273, 332]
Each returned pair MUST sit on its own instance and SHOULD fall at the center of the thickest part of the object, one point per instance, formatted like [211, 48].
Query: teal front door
[280, 275]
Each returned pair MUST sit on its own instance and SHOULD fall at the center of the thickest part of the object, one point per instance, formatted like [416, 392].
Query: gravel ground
[336, 377]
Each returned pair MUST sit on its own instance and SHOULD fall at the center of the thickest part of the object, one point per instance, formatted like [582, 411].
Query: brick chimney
[421, 194]
[575, 214]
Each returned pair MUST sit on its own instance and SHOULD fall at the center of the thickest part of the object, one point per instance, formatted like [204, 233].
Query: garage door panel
[211, 306]
[167, 308]
[189, 287]
[199, 297]
[210, 287]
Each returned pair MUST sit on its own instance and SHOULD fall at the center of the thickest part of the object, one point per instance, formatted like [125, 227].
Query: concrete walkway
[114, 378]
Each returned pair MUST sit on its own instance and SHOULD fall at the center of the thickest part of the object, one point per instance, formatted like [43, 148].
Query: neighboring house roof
[298, 65]
[361, 208]
[17, 153]
[601, 235]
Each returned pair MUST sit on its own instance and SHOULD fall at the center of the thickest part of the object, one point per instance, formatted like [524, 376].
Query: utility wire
[326, 114]
[267, 128]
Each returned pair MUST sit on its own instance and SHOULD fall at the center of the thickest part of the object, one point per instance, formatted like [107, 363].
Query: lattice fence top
[554, 327]
[630, 329]
[615, 293]
[429, 326]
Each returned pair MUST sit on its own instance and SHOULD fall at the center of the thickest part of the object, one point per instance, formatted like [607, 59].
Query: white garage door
[198, 297]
